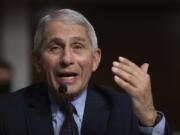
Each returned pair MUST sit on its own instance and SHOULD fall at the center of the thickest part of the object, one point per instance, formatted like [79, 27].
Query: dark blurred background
[141, 30]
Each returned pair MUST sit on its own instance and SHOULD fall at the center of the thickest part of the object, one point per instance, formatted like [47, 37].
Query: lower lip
[67, 80]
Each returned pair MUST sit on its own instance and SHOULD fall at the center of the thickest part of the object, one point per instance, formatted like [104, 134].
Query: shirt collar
[79, 104]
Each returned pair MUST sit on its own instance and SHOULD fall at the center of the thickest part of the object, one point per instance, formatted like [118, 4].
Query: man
[66, 54]
[5, 76]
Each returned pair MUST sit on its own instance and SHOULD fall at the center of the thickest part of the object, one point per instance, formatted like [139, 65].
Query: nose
[66, 57]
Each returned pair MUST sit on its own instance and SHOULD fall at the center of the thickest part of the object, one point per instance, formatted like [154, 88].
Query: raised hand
[137, 83]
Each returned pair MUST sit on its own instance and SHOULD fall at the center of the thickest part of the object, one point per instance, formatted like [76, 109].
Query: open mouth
[69, 74]
[67, 77]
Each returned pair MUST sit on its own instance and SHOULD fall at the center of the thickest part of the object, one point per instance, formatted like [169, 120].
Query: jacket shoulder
[116, 97]
[17, 98]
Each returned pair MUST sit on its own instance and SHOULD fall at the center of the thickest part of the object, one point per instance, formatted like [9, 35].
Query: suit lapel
[96, 113]
[37, 111]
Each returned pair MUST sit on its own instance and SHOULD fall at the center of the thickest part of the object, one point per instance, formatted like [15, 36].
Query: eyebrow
[78, 39]
[58, 40]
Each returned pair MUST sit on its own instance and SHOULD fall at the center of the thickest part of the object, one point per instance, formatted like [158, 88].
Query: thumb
[145, 67]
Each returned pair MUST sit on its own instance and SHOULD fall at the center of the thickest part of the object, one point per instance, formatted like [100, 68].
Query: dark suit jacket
[107, 112]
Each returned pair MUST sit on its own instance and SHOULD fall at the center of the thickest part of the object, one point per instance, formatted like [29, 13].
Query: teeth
[68, 78]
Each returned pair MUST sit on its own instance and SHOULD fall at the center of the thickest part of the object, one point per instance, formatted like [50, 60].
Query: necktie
[69, 126]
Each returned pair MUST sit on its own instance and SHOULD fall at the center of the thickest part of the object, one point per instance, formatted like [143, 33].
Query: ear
[96, 58]
[35, 58]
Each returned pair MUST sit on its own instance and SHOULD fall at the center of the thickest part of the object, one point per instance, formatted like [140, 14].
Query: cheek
[87, 66]
[48, 63]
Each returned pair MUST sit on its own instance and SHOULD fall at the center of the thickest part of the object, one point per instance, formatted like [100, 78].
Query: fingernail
[121, 58]
[116, 77]
[114, 69]
[115, 63]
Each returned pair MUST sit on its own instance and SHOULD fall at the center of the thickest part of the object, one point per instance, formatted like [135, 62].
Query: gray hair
[67, 16]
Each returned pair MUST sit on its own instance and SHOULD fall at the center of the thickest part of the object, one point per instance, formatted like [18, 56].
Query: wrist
[151, 120]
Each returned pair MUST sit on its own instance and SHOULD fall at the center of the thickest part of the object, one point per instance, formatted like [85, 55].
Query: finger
[123, 84]
[133, 70]
[124, 67]
[127, 62]
[125, 76]
[136, 70]
[145, 67]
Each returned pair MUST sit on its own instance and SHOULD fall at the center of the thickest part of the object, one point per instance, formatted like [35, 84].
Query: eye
[77, 45]
[54, 49]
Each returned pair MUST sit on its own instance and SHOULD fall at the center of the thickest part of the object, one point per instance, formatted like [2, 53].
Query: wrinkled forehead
[67, 28]
[65, 23]
[69, 21]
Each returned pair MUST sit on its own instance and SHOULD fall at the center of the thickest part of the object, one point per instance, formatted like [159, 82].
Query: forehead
[62, 29]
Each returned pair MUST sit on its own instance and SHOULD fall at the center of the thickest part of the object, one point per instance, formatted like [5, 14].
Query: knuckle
[129, 77]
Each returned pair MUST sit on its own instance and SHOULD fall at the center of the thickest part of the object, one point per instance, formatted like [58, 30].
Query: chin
[74, 92]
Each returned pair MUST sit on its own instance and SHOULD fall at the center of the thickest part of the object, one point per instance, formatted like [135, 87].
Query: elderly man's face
[67, 56]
